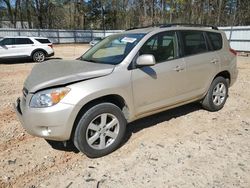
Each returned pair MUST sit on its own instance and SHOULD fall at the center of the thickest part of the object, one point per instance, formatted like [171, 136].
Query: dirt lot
[184, 147]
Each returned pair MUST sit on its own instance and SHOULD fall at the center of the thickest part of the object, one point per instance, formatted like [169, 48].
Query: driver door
[6, 47]
[164, 83]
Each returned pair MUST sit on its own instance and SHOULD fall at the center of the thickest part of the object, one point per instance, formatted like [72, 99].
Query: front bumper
[52, 123]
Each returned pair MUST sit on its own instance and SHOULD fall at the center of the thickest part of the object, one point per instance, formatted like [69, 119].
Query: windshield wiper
[89, 60]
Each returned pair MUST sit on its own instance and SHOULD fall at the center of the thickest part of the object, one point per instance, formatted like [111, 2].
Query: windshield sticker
[128, 39]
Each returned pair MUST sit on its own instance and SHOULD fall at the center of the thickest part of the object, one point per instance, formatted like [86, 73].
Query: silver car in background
[95, 41]
[125, 77]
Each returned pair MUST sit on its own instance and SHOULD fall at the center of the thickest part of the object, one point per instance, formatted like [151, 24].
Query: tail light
[50, 45]
[233, 51]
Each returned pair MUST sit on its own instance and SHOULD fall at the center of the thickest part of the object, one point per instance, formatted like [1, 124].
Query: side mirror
[145, 60]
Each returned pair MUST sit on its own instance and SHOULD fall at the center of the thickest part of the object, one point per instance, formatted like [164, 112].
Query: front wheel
[216, 95]
[100, 130]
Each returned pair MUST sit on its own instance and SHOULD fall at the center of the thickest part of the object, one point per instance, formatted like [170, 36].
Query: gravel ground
[183, 147]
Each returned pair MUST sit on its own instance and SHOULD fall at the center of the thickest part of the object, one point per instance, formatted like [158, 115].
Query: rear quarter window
[215, 39]
[43, 41]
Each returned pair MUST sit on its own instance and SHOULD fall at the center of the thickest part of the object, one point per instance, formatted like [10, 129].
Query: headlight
[48, 97]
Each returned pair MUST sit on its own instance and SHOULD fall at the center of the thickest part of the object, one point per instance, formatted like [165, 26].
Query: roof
[25, 37]
[178, 26]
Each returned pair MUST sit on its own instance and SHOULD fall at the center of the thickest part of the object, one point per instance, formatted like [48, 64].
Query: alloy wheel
[102, 131]
[219, 94]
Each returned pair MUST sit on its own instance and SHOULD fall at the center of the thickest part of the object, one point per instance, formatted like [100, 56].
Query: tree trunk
[219, 12]
[28, 13]
[153, 12]
[171, 11]
[10, 13]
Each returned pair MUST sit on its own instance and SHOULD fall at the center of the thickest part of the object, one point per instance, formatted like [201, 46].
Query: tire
[38, 56]
[216, 95]
[100, 130]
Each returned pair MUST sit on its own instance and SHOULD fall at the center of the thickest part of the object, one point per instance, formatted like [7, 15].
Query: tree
[122, 14]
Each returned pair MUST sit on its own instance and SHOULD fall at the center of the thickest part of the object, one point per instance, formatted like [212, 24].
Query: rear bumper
[234, 77]
[50, 55]
[51, 123]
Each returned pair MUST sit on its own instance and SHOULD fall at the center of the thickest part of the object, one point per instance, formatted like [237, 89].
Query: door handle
[214, 61]
[178, 68]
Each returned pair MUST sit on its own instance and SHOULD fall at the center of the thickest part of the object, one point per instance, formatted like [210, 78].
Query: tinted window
[193, 42]
[215, 39]
[163, 46]
[8, 41]
[23, 41]
[43, 41]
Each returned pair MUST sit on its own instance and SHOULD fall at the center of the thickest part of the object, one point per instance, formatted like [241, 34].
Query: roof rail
[174, 24]
[188, 24]
[142, 27]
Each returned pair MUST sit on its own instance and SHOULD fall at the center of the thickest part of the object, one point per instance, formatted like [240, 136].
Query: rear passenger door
[202, 64]
[23, 46]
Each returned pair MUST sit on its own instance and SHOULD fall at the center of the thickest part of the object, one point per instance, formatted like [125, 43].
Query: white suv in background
[38, 48]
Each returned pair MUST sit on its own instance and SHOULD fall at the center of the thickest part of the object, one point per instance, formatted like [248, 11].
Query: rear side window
[193, 42]
[215, 39]
[8, 41]
[43, 41]
[23, 41]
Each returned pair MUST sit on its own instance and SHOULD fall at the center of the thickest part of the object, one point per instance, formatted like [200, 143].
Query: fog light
[46, 131]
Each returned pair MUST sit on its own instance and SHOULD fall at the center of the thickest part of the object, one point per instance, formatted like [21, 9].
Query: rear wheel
[216, 95]
[100, 130]
[38, 56]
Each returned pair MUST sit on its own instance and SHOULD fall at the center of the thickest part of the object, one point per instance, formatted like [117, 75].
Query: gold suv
[125, 77]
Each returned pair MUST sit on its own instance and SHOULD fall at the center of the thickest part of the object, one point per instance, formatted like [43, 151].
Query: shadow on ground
[138, 125]
[20, 61]
[167, 115]
[155, 119]
[67, 146]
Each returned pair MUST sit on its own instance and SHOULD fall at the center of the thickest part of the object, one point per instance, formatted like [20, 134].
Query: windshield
[113, 49]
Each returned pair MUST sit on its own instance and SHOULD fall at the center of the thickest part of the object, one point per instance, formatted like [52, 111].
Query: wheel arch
[225, 74]
[38, 49]
[113, 98]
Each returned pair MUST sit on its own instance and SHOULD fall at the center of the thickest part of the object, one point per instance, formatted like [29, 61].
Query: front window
[162, 46]
[8, 41]
[113, 49]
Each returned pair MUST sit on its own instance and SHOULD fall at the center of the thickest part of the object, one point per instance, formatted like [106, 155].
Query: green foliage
[122, 14]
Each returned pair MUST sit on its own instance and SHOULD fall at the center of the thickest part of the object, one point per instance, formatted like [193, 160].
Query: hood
[60, 72]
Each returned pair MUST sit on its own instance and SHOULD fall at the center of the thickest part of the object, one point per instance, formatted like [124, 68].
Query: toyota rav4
[125, 77]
